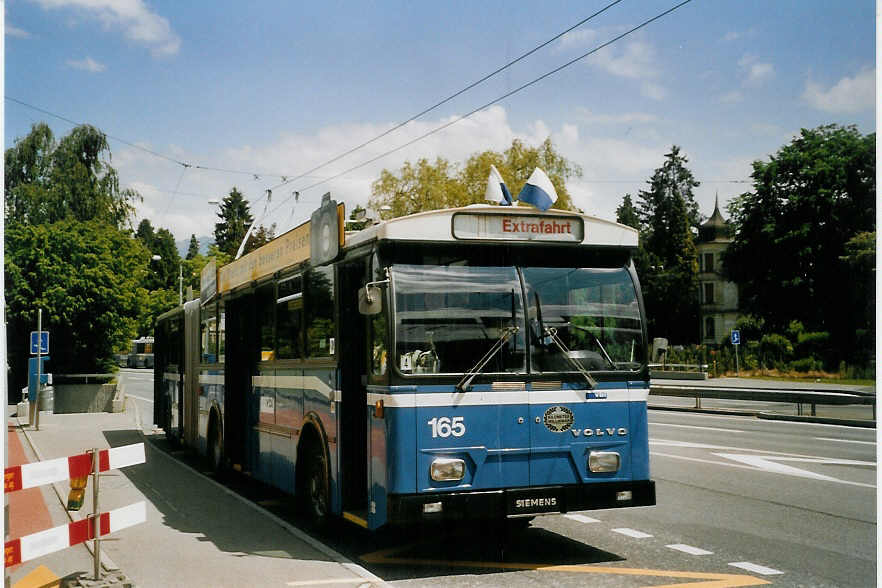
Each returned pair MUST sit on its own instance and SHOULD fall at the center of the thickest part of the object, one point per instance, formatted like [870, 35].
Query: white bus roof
[491, 223]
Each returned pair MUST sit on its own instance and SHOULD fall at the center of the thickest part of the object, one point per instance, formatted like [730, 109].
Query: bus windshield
[448, 317]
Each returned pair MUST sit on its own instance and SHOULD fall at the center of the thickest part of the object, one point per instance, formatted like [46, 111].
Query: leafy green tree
[669, 269]
[72, 179]
[193, 249]
[626, 213]
[440, 184]
[259, 237]
[87, 277]
[235, 218]
[791, 255]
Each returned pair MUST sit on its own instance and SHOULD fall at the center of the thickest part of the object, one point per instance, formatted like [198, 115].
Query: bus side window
[289, 318]
[221, 332]
[265, 318]
[208, 334]
[320, 311]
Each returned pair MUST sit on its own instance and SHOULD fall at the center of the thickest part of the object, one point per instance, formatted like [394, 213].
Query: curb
[770, 416]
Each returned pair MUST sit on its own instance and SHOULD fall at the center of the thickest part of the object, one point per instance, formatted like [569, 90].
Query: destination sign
[519, 227]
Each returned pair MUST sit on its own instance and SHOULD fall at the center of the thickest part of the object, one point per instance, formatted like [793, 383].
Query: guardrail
[798, 397]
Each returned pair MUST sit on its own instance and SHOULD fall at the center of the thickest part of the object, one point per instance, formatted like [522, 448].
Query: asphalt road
[741, 501]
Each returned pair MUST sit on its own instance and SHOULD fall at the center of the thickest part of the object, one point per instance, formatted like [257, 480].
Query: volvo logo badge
[558, 419]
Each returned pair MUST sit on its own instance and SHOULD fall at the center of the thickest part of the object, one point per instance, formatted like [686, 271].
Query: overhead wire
[488, 104]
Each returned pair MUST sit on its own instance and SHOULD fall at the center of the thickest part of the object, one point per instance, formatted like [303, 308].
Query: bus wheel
[315, 488]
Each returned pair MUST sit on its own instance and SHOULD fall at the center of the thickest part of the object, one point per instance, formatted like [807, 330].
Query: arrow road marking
[772, 464]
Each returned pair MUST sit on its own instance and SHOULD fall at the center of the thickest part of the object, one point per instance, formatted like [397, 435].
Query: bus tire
[315, 494]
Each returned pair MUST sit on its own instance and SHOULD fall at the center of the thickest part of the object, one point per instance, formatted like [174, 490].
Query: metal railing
[798, 397]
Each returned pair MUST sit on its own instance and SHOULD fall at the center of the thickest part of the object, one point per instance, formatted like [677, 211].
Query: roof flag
[496, 190]
[538, 191]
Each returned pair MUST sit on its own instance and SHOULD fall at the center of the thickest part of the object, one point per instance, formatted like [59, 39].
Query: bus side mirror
[370, 300]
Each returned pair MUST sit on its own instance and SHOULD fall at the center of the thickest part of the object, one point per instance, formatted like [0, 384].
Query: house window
[708, 292]
[708, 262]
[709, 328]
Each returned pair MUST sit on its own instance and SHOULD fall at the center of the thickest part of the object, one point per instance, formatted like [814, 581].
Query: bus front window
[593, 313]
[448, 317]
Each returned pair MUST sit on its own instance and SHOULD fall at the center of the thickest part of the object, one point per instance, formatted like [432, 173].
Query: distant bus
[483, 362]
[140, 354]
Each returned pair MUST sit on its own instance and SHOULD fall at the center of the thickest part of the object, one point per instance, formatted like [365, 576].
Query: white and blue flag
[538, 191]
[496, 190]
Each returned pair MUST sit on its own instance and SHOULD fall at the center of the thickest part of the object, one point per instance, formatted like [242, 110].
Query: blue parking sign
[736, 337]
[43, 338]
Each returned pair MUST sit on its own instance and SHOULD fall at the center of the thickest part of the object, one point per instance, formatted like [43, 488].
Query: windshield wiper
[596, 340]
[499, 344]
[552, 332]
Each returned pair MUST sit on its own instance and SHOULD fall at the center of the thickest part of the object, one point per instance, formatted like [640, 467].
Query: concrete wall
[72, 398]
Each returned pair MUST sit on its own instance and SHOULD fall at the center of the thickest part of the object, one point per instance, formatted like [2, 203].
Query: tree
[430, 186]
[669, 273]
[87, 277]
[259, 237]
[193, 249]
[47, 181]
[235, 218]
[790, 255]
[626, 214]
[164, 257]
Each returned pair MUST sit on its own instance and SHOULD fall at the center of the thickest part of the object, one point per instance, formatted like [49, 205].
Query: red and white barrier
[35, 545]
[30, 475]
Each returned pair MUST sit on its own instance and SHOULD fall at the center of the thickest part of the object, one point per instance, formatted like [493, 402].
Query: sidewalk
[197, 533]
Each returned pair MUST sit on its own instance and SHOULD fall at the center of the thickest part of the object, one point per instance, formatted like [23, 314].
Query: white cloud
[87, 64]
[635, 61]
[12, 31]
[136, 21]
[849, 95]
[176, 198]
[731, 36]
[755, 71]
[577, 40]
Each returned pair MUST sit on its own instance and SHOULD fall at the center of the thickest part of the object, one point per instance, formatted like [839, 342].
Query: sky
[199, 97]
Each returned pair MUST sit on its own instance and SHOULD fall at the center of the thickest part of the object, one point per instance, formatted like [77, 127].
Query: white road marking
[689, 549]
[359, 581]
[150, 400]
[755, 568]
[845, 440]
[696, 427]
[771, 464]
[581, 518]
[750, 467]
[632, 533]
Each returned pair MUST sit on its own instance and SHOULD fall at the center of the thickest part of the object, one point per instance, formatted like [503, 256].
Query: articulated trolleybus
[460, 364]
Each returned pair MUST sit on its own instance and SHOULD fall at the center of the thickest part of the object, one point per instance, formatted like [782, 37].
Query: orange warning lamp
[77, 492]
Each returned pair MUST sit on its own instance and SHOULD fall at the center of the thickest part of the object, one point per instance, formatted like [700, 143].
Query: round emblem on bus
[558, 419]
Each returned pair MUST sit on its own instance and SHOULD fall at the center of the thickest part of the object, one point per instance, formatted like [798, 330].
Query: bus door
[355, 372]
[240, 359]
[192, 344]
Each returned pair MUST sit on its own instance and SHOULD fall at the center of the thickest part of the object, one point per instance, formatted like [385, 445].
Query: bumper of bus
[515, 502]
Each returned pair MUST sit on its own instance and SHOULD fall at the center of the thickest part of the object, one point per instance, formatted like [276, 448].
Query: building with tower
[718, 298]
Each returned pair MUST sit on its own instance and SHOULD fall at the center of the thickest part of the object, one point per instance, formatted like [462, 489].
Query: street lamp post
[180, 278]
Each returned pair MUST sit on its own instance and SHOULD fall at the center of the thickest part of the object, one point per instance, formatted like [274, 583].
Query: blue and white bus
[469, 363]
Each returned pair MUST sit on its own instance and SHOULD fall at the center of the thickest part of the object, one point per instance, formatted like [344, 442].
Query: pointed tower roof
[716, 227]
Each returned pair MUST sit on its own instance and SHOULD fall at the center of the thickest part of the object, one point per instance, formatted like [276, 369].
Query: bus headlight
[445, 469]
[604, 461]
